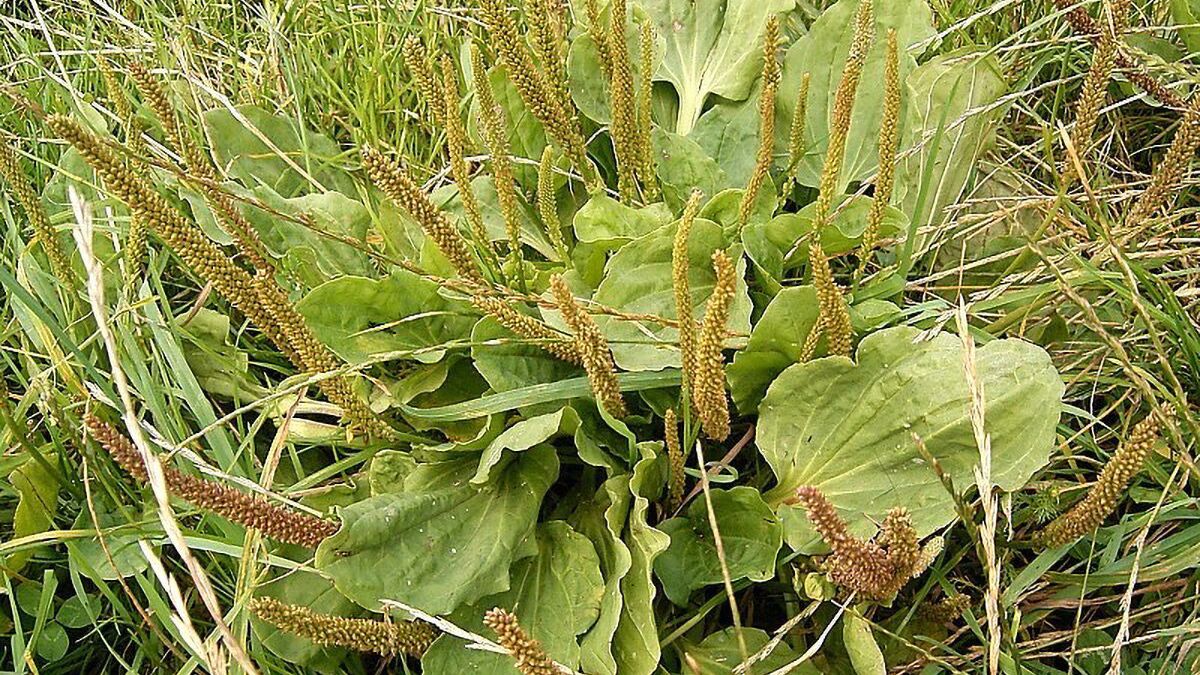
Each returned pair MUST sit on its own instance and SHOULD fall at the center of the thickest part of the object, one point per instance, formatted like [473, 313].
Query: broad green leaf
[508, 363]
[776, 342]
[221, 368]
[484, 188]
[53, 642]
[750, 533]
[121, 540]
[37, 488]
[442, 542]
[258, 148]
[388, 471]
[712, 48]
[523, 435]
[320, 223]
[307, 589]
[780, 244]
[638, 280]
[822, 52]
[1186, 16]
[602, 519]
[951, 121]
[604, 220]
[556, 594]
[725, 206]
[848, 427]
[635, 643]
[720, 653]
[865, 655]
[358, 317]
[538, 393]
[684, 166]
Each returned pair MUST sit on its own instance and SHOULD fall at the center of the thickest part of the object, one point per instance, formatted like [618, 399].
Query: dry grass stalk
[593, 349]
[771, 74]
[364, 635]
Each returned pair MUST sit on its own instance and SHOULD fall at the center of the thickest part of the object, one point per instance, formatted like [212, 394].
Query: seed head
[530, 657]
[43, 233]
[364, 635]
[625, 136]
[593, 349]
[834, 318]
[548, 204]
[400, 188]
[526, 326]
[277, 522]
[417, 61]
[766, 121]
[646, 168]
[889, 138]
[843, 109]
[708, 393]
[1102, 498]
[680, 263]
[456, 146]
[495, 133]
[676, 458]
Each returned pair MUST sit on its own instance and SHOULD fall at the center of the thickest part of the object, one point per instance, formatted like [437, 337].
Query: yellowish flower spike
[43, 233]
[766, 121]
[495, 133]
[676, 459]
[593, 349]
[683, 292]
[365, 635]
[1102, 498]
[529, 657]
[889, 141]
[400, 188]
[277, 522]
[708, 391]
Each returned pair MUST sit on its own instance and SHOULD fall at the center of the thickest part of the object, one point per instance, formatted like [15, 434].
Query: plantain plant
[667, 233]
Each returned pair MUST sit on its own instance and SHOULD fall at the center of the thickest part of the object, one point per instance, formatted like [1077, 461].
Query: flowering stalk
[1102, 498]
[708, 390]
[766, 121]
[528, 654]
[593, 349]
[254, 512]
[364, 635]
